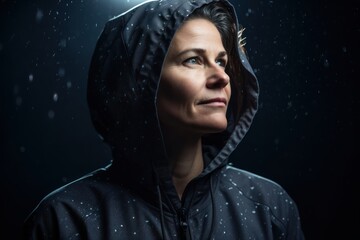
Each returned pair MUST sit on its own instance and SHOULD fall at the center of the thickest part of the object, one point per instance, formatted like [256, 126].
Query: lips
[214, 101]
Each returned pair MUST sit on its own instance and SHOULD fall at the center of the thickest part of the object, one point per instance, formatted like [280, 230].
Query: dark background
[305, 54]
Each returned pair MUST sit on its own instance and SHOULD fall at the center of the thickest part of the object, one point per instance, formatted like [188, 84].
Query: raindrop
[22, 149]
[39, 15]
[62, 43]
[249, 11]
[55, 97]
[61, 72]
[326, 63]
[31, 77]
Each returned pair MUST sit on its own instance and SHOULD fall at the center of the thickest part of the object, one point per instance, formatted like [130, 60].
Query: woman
[172, 94]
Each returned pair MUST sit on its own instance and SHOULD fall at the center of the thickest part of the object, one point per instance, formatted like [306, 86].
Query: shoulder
[256, 188]
[250, 183]
[79, 189]
[259, 191]
[76, 200]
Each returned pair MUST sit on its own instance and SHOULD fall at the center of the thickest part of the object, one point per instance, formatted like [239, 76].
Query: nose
[217, 77]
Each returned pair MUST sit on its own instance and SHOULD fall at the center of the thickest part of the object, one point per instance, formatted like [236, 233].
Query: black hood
[124, 78]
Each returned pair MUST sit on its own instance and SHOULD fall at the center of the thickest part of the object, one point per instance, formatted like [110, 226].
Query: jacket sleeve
[289, 219]
[294, 230]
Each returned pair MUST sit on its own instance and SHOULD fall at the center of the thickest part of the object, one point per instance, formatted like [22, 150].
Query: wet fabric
[134, 197]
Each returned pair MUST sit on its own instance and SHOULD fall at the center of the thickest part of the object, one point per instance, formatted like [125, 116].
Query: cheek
[175, 102]
[179, 89]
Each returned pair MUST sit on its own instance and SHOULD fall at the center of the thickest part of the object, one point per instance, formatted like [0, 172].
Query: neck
[186, 160]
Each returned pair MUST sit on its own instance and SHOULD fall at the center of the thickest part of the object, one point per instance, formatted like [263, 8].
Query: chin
[214, 126]
[217, 129]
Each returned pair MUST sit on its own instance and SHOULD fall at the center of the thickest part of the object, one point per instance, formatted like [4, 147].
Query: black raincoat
[134, 197]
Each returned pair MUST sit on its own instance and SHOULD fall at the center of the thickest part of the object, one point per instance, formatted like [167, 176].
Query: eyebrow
[200, 50]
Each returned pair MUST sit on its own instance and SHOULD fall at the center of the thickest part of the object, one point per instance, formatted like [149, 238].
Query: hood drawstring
[157, 181]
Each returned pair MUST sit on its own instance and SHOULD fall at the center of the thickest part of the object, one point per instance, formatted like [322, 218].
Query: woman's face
[194, 90]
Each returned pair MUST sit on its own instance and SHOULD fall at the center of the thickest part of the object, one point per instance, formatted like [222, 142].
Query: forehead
[197, 33]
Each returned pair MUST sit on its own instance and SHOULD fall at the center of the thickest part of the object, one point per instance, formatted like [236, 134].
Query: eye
[192, 61]
[222, 62]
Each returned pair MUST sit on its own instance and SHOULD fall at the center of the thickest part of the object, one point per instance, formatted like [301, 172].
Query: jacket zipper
[182, 222]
